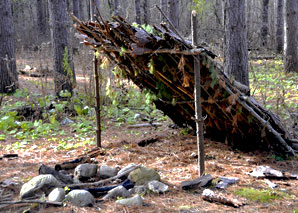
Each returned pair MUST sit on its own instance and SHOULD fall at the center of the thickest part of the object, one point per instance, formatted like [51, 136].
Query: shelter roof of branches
[162, 62]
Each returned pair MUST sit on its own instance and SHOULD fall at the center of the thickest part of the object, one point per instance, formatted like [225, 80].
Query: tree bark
[235, 60]
[265, 28]
[75, 4]
[174, 12]
[164, 8]
[41, 19]
[8, 73]
[116, 8]
[291, 55]
[280, 27]
[81, 10]
[97, 2]
[138, 11]
[64, 75]
[145, 12]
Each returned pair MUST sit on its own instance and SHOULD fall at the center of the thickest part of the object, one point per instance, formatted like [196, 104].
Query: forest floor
[172, 156]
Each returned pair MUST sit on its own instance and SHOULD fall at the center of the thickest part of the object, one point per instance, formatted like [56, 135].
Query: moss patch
[263, 195]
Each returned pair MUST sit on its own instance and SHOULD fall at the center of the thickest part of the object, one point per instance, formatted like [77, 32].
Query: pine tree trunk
[8, 73]
[145, 12]
[64, 75]
[235, 61]
[163, 6]
[75, 4]
[81, 10]
[138, 11]
[97, 2]
[291, 55]
[41, 19]
[280, 27]
[264, 30]
[174, 12]
[116, 7]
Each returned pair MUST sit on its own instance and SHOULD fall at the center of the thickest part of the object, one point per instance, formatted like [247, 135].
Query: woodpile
[162, 62]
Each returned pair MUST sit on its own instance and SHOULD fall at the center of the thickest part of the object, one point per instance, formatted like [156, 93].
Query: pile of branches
[162, 62]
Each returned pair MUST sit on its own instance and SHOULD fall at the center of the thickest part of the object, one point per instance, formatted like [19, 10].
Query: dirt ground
[172, 156]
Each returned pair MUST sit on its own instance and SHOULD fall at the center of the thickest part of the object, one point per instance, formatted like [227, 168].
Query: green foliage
[263, 196]
[201, 6]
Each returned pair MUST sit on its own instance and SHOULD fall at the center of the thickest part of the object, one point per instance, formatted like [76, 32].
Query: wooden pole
[97, 97]
[198, 106]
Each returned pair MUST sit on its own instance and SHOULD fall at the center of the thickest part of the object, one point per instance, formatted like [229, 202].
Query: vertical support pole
[97, 97]
[198, 106]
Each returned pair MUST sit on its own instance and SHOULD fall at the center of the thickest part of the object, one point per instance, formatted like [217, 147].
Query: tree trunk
[116, 8]
[64, 75]
[8, 73]
[265, 28]
[97, 2]
[138, 11]
[41, 19]
[174, 12]
[145, 12]
[81, 10]
[163, 6]
[291, 55]
[75, 4]
[235, 61]
[280, 27]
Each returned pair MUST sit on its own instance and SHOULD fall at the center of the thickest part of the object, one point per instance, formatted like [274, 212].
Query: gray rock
[80, 198]
[119, 191]
[141, 190]
[143, 175]
[133, 201]
[226, 181]
[66, 121]
[39, 184]
[123, 170]
[57, 195]
[208, 193]
[157, 187]
[266, 171]
[85, 171]
[271, 184]
[199, 182]
[107, 172]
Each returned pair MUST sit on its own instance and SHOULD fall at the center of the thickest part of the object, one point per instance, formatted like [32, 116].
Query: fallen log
[162, 62]
[31, 201]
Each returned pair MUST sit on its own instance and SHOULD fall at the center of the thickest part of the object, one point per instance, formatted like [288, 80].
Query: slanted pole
[198, 106]
[97, 97]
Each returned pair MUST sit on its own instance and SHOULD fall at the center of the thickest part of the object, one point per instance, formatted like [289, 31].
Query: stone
[80, 198]
[66, 121]
[226, 181]
[141, 190]
[271, 184]
[128, 167]
[198, 182]
[39, 184]
[133, 201]
[143, 175]
[119, 191]
[85, 171]
[208, 193]
[107, 172]
[57, 195]
[158, 187]
[266, 171]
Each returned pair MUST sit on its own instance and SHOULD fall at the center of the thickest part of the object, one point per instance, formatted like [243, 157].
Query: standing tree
[8, 73]
[41, 18]
[138, 11]
[64, 75]
[163, 6]
[116, 8]
[291, 54]
[174, 12]
[145, 12]
[97, 3]
[264, 29]
[235, 60]
[75, 5]
[280, 27]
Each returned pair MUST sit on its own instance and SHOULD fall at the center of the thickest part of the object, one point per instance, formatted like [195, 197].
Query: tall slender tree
[265, 27]
[235, 60]
[8, 73]
[163, 6]
[291, 51]
[64, 75]
[41, 18]
[145, 12]
[116, 8]
[138, 11]
[280, 26]
[75, 6]
[174, 12]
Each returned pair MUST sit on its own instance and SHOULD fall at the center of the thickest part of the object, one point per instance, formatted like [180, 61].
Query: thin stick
[31, 201]
[198, 105]
[97, 98]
